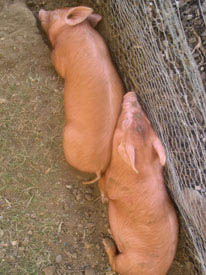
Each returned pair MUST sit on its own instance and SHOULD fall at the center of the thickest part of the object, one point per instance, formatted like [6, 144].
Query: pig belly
[85, 152]
[120, 229]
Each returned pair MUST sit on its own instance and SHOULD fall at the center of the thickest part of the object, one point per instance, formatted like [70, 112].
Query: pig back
[93, 96]
[141, 214]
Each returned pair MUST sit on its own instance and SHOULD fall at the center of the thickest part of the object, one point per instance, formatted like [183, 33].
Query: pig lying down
[93, 89]
[142, 218]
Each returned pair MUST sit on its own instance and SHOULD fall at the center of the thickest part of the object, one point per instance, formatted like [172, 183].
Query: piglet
[93, 90]
[142, 218]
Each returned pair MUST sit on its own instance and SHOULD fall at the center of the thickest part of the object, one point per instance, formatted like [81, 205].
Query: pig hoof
[110, 246]
[104, 198]
[109, 231]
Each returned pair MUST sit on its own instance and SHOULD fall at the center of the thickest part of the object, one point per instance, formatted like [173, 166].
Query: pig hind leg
[124, 263]
[110, 248]
[117, 260]
[73, 147]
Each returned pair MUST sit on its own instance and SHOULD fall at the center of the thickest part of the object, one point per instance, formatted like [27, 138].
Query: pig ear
[94, 19]
[127, 152]
[159, 149]
[77, 15]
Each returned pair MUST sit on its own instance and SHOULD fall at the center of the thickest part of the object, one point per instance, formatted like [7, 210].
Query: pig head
[142, 218]
[93, 90]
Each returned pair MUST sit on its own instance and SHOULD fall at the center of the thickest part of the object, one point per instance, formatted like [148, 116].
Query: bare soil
[49, 222]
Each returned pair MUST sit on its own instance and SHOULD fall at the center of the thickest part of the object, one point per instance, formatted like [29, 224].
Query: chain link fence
[149, 43]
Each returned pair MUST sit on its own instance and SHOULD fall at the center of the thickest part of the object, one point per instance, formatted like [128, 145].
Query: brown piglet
[93, 90]
[142, 218]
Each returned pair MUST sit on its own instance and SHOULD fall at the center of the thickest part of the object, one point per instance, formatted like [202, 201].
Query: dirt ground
[49, 222]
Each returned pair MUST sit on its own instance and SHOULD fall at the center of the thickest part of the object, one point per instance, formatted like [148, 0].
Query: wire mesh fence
[149, 42]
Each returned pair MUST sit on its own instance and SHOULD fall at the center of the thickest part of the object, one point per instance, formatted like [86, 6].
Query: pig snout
[129, 95]
[130, 102]
[132, 113]
[42, 15]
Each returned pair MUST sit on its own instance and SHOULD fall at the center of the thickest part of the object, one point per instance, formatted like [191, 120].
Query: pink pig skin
[93, 90]
[142, 218]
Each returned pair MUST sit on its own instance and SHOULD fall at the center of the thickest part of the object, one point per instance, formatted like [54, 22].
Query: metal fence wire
[149, 43]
